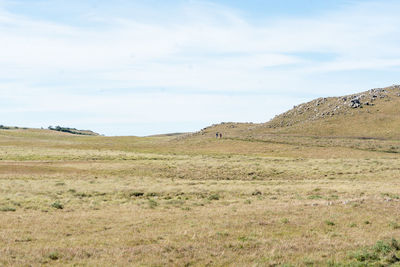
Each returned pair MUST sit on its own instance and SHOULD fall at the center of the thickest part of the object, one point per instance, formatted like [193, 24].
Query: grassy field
[284, 200]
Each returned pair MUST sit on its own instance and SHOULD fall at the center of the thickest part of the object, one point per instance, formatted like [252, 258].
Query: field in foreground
[286, 200]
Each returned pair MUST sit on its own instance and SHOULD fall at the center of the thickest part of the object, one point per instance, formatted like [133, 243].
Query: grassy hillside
[172, 201]
[370, 114]
[374, 113]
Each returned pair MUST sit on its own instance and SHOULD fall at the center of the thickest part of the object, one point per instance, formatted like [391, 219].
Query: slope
[370, 114]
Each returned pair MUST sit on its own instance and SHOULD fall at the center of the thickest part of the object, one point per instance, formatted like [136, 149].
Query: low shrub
[330, 223]
[7, 208]
[213, 197]
[136, 194]
[256, 193]
[57, 205]
[54, 256]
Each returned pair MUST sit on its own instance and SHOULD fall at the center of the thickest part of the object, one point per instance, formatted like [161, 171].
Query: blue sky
[147, 67]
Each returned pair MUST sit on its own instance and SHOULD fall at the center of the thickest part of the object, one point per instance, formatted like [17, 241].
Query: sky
[130, 67]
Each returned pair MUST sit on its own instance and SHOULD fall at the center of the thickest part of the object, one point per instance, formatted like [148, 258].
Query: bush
[330, 223]
[57, 205]
[7, 209]
[365, 255]
[256, 193]
[136, 194]
[213, 197]
[382, 247]
[54, 256]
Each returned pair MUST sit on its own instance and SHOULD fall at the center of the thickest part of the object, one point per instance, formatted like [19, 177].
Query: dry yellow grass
[172, 201]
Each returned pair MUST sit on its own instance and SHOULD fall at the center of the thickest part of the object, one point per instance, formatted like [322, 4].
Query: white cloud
[210, 51]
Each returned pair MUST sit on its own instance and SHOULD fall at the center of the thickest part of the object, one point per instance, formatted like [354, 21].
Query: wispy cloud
[187, 67]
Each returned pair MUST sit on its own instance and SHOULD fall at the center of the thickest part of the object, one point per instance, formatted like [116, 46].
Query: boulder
[355, 103]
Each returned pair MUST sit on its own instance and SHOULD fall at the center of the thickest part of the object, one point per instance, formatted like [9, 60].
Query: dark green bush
[7, 209]
[213, 197]
[54, 256]
[136, 194]
[57, 205]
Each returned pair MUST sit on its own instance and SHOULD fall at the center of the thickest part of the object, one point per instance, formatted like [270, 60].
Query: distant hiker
[220, 135]
[216, 135]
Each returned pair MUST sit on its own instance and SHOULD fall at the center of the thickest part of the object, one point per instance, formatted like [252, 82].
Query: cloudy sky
[130, 67]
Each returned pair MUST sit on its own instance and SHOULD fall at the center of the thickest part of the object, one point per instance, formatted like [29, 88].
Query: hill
[370, 114]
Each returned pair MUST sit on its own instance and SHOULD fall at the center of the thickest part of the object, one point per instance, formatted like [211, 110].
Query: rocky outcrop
[330, 106]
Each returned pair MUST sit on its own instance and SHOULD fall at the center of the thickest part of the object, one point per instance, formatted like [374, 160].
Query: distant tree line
[67, 130]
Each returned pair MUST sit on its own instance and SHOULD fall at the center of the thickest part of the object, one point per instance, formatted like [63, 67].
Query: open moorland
[276, 199]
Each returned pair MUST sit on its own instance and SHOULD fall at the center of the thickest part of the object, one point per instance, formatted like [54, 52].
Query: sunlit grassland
[158, 201]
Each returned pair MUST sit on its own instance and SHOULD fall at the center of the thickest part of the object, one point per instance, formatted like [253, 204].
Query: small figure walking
[220, 135]
[216, 135]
